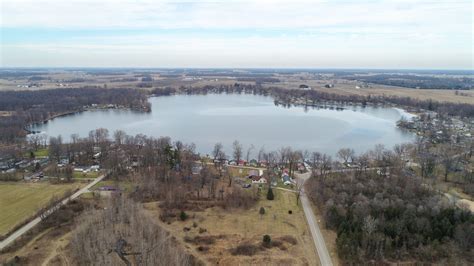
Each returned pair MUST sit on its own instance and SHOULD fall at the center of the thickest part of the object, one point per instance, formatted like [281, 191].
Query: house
[242, 162]
[253, 163]
[301, 167]
[259, 180]
[64, 160]
[258, 172]
[286, 179]
[304, 87]
[329, 86]
[196, 169]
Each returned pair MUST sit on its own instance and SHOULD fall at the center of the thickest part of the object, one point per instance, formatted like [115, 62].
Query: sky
[403, 34]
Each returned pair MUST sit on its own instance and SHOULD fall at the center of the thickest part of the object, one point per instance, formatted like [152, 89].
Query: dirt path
[58, 251]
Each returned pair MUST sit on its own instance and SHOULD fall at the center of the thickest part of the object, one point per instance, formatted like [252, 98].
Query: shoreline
[45, 121]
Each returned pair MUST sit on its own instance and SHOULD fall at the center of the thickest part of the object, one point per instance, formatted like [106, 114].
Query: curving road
[15, 235]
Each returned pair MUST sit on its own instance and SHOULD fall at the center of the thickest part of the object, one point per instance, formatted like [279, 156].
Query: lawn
[91, 174]
[239, 226]
[19, 201]
[241, 171]
[41, 153]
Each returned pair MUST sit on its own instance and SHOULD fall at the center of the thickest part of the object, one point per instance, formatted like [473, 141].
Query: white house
[259, 180]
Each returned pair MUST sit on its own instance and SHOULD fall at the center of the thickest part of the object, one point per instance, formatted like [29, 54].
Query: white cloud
[230, 14]
[276, 33]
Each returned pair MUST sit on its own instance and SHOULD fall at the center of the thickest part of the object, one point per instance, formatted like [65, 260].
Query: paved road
[313, 226]
[15, 235]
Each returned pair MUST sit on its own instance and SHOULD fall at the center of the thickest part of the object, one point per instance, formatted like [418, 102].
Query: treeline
[388, 214]
[416, 81]
[311, 97]
[27, 107]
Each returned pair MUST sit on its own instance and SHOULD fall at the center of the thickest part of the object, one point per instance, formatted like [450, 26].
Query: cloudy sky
[435, 34]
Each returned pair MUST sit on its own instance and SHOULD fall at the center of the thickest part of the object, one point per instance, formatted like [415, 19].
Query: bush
[267, 240]
[183, 216]
[270, 195]
[203, 248]
[262, 211]
[245, 249]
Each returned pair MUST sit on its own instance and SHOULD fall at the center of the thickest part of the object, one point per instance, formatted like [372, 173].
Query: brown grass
[345, 87]
[227, 230]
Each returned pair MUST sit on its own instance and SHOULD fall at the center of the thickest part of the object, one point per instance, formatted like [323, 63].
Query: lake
[207, 119]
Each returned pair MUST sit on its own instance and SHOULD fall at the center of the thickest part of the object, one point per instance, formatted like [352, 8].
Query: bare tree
[325, 165]
[55, 147]
[134, 237]
[249, 151]
[315, 161]
[346, 154]
[217, 150]
[261, 154]
[237, 150]
[119, 137]
[449, 157]
[299, 188]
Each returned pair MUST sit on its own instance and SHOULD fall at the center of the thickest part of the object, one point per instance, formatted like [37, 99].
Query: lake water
[207, 119]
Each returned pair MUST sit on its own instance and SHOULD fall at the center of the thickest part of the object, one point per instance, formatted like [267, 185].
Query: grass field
[19, 201]
[248, 226]
[91, 174]
[39, 153]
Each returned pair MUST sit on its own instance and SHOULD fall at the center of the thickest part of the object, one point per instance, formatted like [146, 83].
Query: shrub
[245, 249]
[183, 216]
[267, 240]
[270, 195]
[203, 248]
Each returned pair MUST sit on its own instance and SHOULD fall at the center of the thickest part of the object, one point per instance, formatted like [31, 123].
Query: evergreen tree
[270, 195]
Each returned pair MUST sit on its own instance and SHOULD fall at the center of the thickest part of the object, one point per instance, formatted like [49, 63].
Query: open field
[63, 79]
[41, 152]
[230, 228]
[19, 201]
[345, 87]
